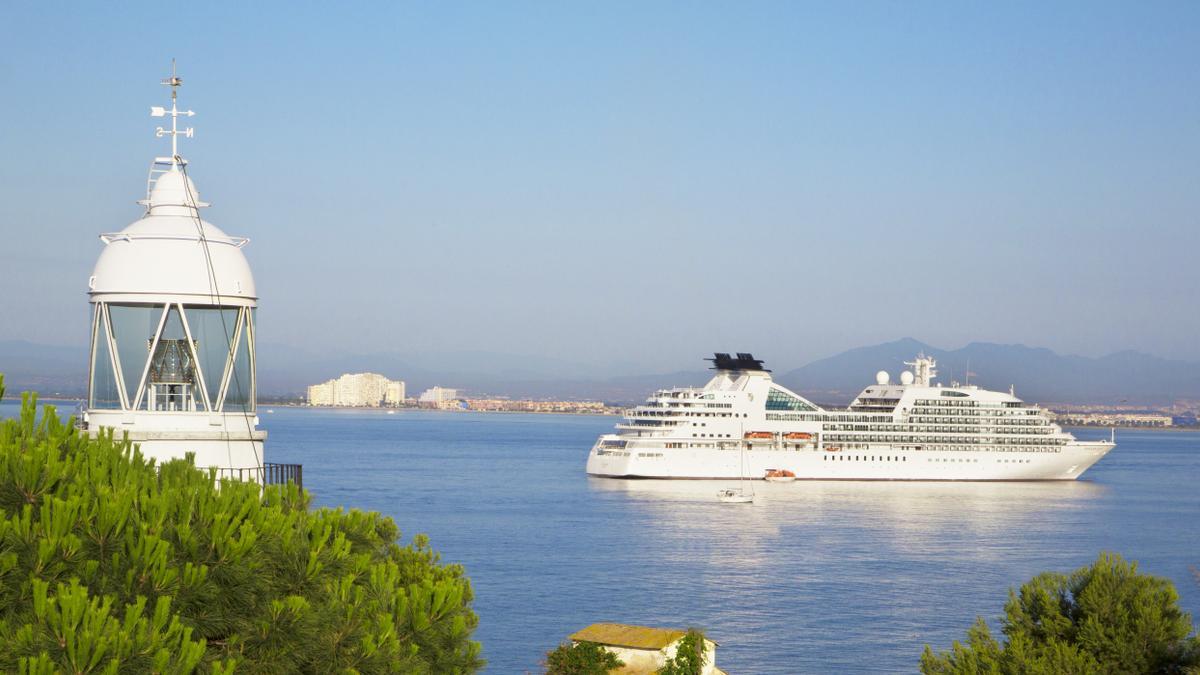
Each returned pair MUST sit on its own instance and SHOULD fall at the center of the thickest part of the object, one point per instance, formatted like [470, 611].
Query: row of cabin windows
[959, 427]
[670, 413]
[864, 458]
[975, 417]
[969, 404]
[950, 440]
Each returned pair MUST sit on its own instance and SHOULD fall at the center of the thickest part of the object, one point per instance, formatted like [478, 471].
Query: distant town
[1180, 415]
[372, 390]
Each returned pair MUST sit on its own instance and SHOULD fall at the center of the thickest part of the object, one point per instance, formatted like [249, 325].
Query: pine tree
[110, 563]
[1105, 618]
[581, 658]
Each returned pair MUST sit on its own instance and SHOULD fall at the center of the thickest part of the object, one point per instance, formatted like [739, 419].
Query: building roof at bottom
[622, 635]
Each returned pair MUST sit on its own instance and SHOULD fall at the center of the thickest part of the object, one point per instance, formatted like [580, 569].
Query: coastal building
[438, 397]
[362, 390]
[323, 394]
[394, 393]
[1115, 419]
[643, 650]
[172, 359]
[518, 405]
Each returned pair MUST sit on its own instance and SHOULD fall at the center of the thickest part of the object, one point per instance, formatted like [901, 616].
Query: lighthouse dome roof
[172, 255]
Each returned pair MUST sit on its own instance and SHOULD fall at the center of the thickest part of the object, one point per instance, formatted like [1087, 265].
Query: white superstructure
[912, 430]
[172, 362]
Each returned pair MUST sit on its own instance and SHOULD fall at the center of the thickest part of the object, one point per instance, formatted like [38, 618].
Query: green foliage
[1105, 618]
[581, 658]
[109, 564]
[690, 655]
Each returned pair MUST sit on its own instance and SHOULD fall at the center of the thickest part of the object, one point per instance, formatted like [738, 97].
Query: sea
[821, 577]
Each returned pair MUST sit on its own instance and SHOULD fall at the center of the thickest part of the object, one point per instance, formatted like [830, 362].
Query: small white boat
[391, 412]
[731, 496]
[269, 410]
[738, 496]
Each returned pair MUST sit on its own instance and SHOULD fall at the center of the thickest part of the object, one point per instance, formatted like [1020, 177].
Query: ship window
[780, 400]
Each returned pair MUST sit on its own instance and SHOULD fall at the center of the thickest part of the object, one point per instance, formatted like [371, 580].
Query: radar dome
[906, 377]
[882, 377]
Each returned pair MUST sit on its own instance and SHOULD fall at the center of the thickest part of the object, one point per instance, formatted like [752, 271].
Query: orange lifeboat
[798, 436]
[758, 435]
[779, 476]
[832, 448]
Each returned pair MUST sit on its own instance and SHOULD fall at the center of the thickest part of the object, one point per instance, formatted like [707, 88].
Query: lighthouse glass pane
[172, 382]
[133, 329]
[240, 395]
[213, 329]
[104, 380]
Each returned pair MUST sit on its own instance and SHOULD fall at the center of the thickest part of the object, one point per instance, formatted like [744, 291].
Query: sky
[629, 186]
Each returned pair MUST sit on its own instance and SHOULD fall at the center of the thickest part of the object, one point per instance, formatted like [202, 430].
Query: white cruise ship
[742, 424]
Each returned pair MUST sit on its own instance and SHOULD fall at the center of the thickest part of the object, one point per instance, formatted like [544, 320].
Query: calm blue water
[823, 577]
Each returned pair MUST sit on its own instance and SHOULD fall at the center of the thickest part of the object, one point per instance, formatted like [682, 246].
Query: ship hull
[1067, 462]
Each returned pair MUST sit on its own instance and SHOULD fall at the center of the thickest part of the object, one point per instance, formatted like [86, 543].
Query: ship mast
[924, 369]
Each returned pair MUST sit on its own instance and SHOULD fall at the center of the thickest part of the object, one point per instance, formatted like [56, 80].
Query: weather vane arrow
[174, 82]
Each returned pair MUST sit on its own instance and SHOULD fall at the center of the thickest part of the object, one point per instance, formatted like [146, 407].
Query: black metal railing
[270, 473]
[281, 474]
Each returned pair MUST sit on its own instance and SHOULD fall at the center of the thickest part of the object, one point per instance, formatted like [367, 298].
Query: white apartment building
[357, 390]
[395, 393]
[439, 397]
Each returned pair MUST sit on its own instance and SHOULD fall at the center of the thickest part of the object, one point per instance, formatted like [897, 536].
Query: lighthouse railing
[270, 473]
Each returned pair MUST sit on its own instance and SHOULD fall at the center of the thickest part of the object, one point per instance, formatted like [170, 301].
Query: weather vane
[174, 82]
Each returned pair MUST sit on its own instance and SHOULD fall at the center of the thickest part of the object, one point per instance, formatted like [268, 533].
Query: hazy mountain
[1037, 374]
[48, 369]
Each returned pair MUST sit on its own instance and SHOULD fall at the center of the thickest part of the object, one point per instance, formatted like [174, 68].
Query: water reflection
[908, 517]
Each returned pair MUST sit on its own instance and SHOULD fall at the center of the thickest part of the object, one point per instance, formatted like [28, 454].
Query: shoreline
[616, 412]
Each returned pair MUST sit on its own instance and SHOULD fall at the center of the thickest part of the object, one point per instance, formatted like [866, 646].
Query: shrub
[1106, 618]
[111, 563]
[581, 658]
[690, 655]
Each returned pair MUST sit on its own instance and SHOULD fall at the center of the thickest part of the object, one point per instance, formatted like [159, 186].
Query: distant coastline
[609, 412]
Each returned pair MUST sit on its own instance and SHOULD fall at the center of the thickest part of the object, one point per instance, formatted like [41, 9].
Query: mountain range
[1037, 374]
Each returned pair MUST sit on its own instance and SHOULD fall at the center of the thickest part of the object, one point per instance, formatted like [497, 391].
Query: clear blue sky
[634, 184]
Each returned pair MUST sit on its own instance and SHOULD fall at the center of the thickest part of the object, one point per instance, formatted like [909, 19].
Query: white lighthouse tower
[173, 327]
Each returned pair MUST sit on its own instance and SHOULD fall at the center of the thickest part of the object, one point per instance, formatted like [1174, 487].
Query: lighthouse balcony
[168, 422]
[270, 473]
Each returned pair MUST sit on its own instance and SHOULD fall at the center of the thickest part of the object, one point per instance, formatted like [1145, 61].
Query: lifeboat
[758, 435]
[832, 448]
[798, 436]
[779, 476]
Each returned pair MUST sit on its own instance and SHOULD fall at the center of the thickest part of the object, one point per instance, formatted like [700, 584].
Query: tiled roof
[621, 635]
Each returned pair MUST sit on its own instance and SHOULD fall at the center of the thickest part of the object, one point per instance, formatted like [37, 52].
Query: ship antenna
[174, 82]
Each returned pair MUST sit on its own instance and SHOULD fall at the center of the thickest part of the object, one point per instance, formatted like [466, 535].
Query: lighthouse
[173, 326]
